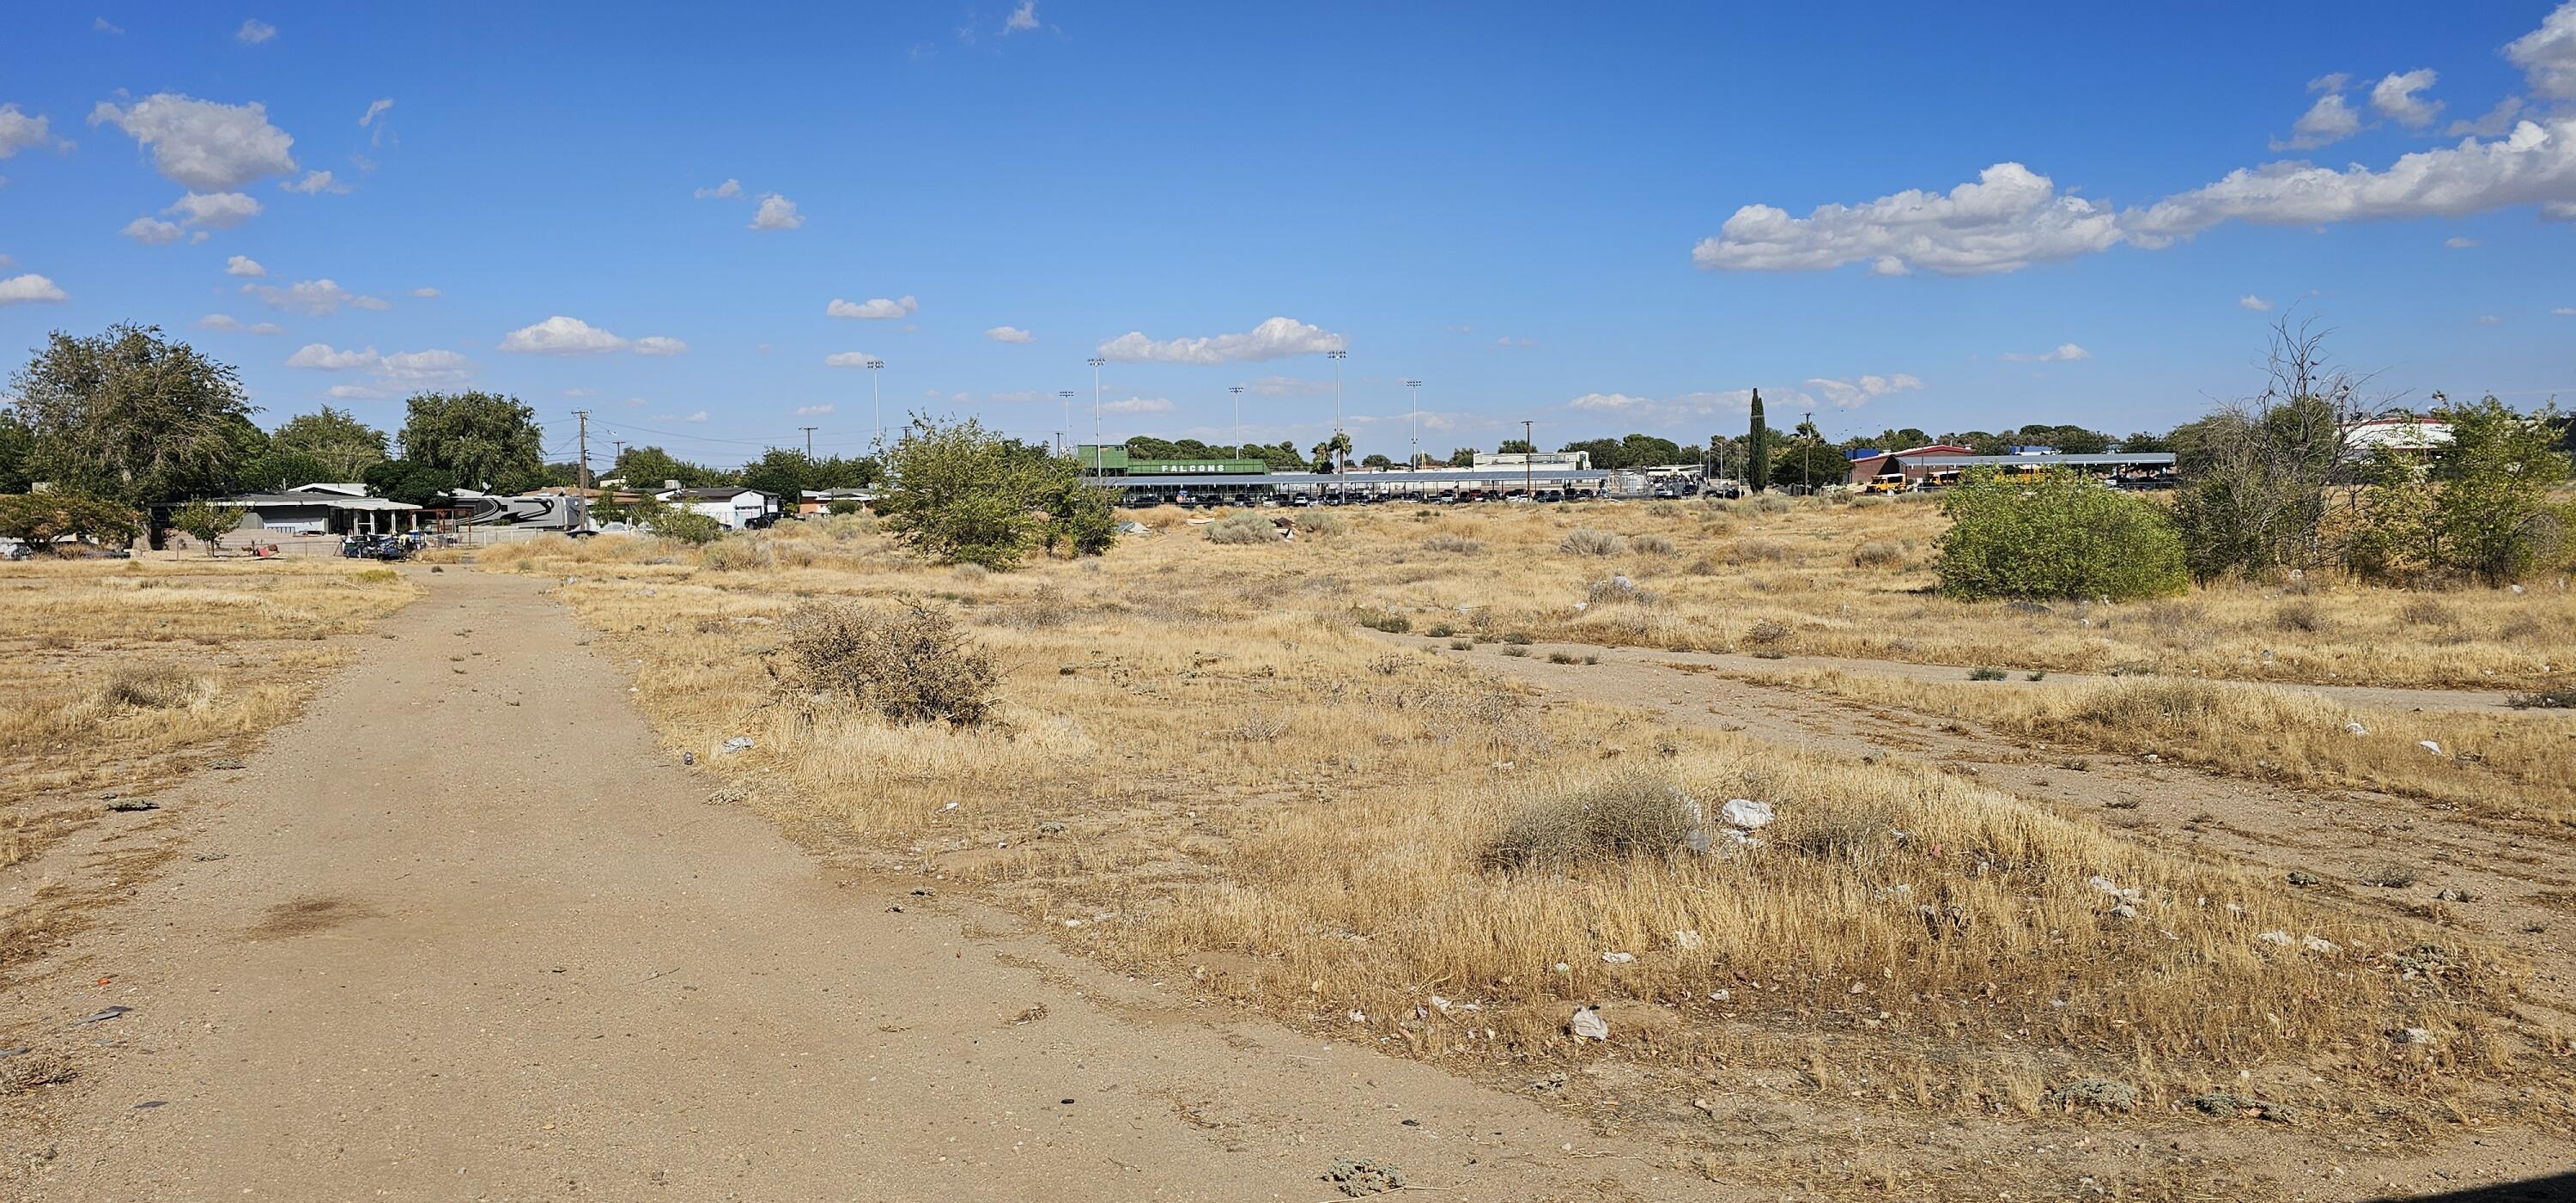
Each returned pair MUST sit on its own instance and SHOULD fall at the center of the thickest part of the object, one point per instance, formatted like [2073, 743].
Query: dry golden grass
[1200, 767]
[111, 670]
[1856, 581]
[2513, 766]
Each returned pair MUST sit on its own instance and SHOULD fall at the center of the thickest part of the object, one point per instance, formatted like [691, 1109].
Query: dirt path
[462, 932]
[2519, 878]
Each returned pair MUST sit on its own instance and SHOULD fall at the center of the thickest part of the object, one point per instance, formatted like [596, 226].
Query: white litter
[1721, 995]
[2320, 944]
[1617, 958]
[1359, 1017]
[739, 743]
[950, 806]
[2356, 729]
[1587, 1024]
[1562, 967]
[1686, 938]
[2281, 938]
[2429, 746]
[1746, 813]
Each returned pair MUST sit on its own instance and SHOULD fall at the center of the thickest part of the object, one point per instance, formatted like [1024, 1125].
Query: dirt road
[463, 932]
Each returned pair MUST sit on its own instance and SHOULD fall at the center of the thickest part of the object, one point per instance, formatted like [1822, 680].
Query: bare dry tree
[2260, 467]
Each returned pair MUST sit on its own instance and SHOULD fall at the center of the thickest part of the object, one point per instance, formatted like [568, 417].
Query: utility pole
[584, 478]
[1067, 394]
[809, 441]
[1529, 439]
[1807, 457]
[1095, 362]
[1237, 390]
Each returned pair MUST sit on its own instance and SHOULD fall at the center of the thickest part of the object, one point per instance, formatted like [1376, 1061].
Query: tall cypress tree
[1757, 469]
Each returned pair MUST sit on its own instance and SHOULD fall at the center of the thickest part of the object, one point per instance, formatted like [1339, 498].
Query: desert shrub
[1388, 621]
[375, 576]
[1616, 590]
[1768, 504]
[684, 526]
[971, 572]
[1516, 638]
[1441, 630]
[2392, 875]
[1563, 658]
[1858, 828]
[2427, 612]
[1585, 541]
[733, 555]
[964, 495]
[2057, 536]
[1639, 813]
[2554, 698]
[1877, 553]
[1702, 566]
[2138, 705]
[155, 687]
[1868, 501]
[2301, 615]
[1046, 608]
[842, 507]
[1986, 674]
[1651, 545]
[1243, 528]
[911, 664]
[1765, 633]
[1454, 545]
[1323, 524]
[1756, 551]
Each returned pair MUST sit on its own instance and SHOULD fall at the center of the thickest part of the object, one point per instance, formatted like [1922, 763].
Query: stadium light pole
[1337, 357]
[1095, 362]
[1237, 390]
[1413, 425]
[878, 397]
[1067, 394]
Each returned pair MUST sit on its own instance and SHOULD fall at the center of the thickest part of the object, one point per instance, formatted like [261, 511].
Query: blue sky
[1539, 211]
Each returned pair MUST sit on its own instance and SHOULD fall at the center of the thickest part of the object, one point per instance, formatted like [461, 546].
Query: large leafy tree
[2495, 518]
[1757, 450]
[961, 495]
[2057, 537]
[333, 440]
[130, 416]
[648, 467]
[481, 440]
[14, 444]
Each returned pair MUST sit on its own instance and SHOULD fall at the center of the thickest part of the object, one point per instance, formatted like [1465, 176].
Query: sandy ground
[463, 932]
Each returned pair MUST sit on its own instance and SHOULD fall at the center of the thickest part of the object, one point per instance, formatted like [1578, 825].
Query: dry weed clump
[1586, 541]
[1638, 813]
[156, 687]
[1651, 544]
[1877, 553]
[1455, 545]
[911, 665]
[1242, 528]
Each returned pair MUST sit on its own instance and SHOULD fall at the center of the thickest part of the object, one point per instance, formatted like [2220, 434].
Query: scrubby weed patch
[2500, 765]
[116, 671]
[1217, 778]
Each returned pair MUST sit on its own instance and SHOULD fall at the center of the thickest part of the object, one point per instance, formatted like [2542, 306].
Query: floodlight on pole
[1095, 362]
[1067, 394]
[1413, 424]
[1237, 390]
[875, 366]
[1337, 357]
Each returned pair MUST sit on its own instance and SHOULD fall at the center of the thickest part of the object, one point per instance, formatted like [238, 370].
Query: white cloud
[1014, 396]
[1138, 405]
[2459, 244]
[873, 309]
[2010, 218]
[1508, 341]
[848, 359]
[2497, 120]
[150, 231]
[355, 392]
[316, 297]
[776, 213]
[1010, 334]
[2398, 97]
[314, 183]
[1022, 19]
[2326, 122]
[2547, 55]
[426, 366]
[226, 321]
[699, 416]
[19, 131]
[243, 265]
[2490, 320]
[726, 190]
[1852, 394]
[2536, 164]
[2064, 353]
[374, 110]
[1276, 338]
[29, 289]
[206, 146]
[321, 357]
[2255, 303]
[2565, 311]
[577, 391]
[658, 345]
[1288, 386]
[254, 31]
[561, 335]
[814, 411]
[426, 294]
[213, 211]
[1612, 402]
[101, 25]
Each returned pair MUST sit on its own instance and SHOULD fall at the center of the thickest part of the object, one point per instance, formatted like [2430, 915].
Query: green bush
[2055, 536]
[963, 495]
[843, 506]
[686, 526]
